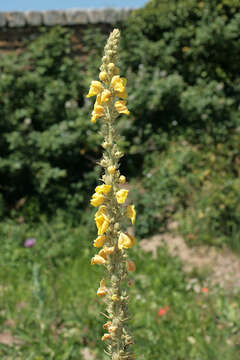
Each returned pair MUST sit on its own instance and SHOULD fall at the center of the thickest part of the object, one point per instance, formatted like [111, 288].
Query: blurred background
[182, 156]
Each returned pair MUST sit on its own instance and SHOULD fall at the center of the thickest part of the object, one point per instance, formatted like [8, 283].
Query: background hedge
[182, 137]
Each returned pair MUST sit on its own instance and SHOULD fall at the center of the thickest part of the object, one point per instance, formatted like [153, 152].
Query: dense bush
[182, 62]
[196, 185]
[48, 148]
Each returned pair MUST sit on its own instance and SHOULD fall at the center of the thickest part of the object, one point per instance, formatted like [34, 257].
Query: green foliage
[195, 184]
[181, 62]
[48, 148]
[49, 307]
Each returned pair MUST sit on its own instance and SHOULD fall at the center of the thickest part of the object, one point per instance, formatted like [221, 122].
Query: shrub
[47, 146]
[183, 70]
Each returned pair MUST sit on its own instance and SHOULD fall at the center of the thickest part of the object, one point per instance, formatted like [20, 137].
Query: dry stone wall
[16, 28]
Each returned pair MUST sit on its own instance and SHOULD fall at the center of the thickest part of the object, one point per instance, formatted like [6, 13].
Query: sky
[24, 5]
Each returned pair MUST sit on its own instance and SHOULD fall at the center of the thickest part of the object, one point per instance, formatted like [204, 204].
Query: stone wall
[17, 28]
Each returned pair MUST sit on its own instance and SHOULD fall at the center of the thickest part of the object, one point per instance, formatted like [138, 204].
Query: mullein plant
[110, 198]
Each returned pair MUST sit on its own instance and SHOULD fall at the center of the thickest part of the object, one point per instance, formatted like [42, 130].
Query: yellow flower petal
[104, 189]
[125, 241]
[121, 196]
[121, 108]
[122, 95]
[106, 337]
[99, 241]
[102, 290]
[101, 211]
[108, 250]
[97, 199]
[122, 179]
[97, 259]
[103, 254]
[94, 117]
[105, 96]
[111, 170]
[99, 110]
[95, 88]
[115, 297]
[102, 223]
[103, 76]
[118, 83]
[131, 213]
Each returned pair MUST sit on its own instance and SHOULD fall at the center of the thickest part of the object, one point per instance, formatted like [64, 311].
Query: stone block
[51, 18]
[16, 19]
[111, 15]
[3, 20]
[34, 18]
[125, 12]
[75, 17]
[95, 16]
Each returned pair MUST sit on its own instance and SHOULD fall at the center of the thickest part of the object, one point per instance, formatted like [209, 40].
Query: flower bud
[122, 179]
[103, 163]
[111, 169]
[111, 67]
[103, 76]
[105, 59]
[118, 154]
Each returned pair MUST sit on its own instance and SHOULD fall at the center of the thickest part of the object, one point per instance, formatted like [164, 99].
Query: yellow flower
[102, 290]
[118, 83]
[101, 211]
[131, 213]
[103, 76]
[95, 88]
[99, 241]
[104, 189]
[94, 117]
[130, 265]
[126, 241]
[121, 196]
[111, 170]
[105, 96]
[111, 66]
[122, 95]
[102, 223]
[120, 106]
[97, 199]
[122, 179]
[97, 259]
[115, 297]
[98, 108]
[103, 254]
[108, 250]
[106, 337]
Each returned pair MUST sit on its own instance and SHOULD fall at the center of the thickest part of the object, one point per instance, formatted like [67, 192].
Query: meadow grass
[49, 310]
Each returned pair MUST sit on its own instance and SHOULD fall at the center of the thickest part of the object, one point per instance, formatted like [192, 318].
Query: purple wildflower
[29, 243]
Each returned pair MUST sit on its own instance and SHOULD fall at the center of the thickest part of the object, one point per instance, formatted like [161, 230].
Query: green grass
[49, 294]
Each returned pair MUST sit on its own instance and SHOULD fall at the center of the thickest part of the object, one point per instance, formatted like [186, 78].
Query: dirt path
[222, 267]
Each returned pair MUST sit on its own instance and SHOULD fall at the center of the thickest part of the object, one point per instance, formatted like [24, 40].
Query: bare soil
[221, 266]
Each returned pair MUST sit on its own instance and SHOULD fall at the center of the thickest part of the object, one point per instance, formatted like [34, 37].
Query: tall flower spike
[110, 198]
